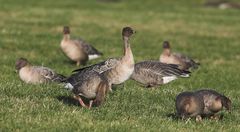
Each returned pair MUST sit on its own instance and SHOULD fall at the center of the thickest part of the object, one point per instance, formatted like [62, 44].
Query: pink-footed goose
[154, 73]
[36, 74]
[95, 81]
[77, 49]
[117, 70]
[184, 62]
[201, 103]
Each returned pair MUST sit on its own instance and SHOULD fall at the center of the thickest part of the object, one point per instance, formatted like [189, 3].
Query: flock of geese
[95, 81]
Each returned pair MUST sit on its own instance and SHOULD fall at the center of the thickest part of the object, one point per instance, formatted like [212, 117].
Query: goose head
[166, 45]
[20, 63]
[66, 30]
[227, 103]
[127, 32]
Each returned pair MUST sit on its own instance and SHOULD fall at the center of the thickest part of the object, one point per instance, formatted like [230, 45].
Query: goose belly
[71, 51]
[120, 74]
[29, 76]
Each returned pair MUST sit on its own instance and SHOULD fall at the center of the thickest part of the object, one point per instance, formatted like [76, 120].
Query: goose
[183, 61]
[36, 74]
[89, 84]
[153, 73]
[188, 104]
[116, 70]
[201, 103]
[93, 82]
[213, 102]
[77, 49]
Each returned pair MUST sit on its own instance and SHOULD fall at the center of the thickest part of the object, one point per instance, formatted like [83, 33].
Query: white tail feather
[169, 79]
[91, 57]
[69, 86]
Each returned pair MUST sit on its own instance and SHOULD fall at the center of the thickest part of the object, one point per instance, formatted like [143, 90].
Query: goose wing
[49, 74]
[88, 48]
[187, 60]
[160, 69]
[100, 67]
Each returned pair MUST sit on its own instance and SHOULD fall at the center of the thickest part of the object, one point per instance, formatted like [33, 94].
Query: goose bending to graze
[153, 73]
[78, 50]
[183, 61]
[36, 74]
[117, 70]
[89, 84]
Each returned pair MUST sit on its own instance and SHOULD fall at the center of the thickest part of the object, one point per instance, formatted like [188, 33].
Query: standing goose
[117, 70]
[153, 73]
[95, 81]
[78, 50]
[183, 61]
[36, 74]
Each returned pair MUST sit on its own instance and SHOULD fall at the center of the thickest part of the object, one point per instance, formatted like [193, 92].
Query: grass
[32, 29]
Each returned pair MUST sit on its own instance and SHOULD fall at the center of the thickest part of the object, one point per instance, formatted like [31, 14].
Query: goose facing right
[153, 73]
[182, 60]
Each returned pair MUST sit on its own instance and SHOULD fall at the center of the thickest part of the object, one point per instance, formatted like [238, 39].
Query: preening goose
[77, 49]
[153, 73]
[183, 61]
[117, 70]
[36, 74]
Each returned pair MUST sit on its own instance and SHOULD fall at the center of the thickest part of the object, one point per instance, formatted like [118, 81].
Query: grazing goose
[89, 84]
[183, 61]
[78, 50]
[188, 104]
[201, 103]
[117, 70]
[222, 4]
[36, 74]
[213, 102]
[153, 73]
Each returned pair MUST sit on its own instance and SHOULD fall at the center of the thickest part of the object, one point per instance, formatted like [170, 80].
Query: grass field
[33, 29]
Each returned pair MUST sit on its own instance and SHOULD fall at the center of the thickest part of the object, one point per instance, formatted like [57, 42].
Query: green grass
[32, 29]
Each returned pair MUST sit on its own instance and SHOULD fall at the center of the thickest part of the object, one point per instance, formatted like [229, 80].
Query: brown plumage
[117, 70]
[184, 62]
[222, 4]
[153, 73]
[89, 84]
[36, 74]
[77, 49]
[188, 104]
[201, 103]
[214, 102]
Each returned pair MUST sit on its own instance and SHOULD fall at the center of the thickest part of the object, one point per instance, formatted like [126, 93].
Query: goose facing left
[36, 74]
[77, 49]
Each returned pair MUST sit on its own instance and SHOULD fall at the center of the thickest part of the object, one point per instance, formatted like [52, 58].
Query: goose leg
[90, 104]
[78, 63]
[80, 101]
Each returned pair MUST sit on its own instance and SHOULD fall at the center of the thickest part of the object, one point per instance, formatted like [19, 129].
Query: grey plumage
[88, 48]
[152, 73]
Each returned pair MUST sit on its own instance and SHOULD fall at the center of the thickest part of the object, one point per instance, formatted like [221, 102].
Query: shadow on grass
[68, 100]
